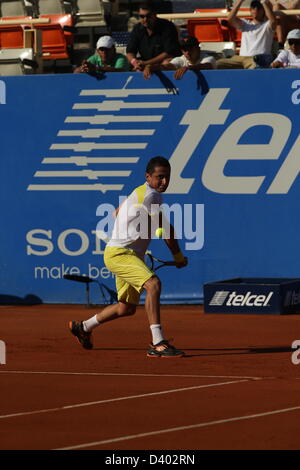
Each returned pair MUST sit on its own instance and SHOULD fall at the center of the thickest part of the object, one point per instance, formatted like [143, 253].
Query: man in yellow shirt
[124, 256]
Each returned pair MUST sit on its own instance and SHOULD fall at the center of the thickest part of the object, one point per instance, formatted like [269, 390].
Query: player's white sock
[157, 335]
[90, 324]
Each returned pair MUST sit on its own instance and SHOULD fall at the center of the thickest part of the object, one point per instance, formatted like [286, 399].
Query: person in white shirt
[124, 257]
[192, 58]
[289, 57]
[257, 36]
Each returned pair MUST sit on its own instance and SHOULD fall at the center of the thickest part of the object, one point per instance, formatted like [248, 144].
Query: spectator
[105, 59]
[192, 58]
[152, 40]
[257, 36]
[289, 57]
[108, 7]
[286, 23]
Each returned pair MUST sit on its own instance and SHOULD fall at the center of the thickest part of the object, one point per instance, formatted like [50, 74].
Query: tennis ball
[159, 232]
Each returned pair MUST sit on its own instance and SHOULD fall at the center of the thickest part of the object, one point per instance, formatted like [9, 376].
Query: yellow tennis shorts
[130, 270]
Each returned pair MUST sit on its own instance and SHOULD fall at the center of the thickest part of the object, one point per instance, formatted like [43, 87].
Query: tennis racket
[151, 261]
[155, 263]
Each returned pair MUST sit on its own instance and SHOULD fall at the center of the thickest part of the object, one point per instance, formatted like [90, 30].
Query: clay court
[237, 388]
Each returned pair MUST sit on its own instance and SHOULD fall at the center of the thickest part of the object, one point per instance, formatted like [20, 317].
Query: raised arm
[269, 12]
[233, 18]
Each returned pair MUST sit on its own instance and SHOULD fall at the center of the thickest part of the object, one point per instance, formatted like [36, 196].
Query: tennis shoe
[84, 338]
[164, 349]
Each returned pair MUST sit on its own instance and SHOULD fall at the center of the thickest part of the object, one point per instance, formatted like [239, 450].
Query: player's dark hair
[155, 162]
[147, 6]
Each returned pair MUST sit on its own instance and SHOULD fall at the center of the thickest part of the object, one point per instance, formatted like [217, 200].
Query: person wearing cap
[257, 36]
[105, 59]
[289, 57]
[152, 40]
[192, 58]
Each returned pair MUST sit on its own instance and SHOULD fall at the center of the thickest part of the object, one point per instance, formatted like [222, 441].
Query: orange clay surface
[235, 389]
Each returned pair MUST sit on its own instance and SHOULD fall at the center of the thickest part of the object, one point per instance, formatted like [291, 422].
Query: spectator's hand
[277, 65]
[86, 67]
[180, 72]
[137, 65]
[147, 72]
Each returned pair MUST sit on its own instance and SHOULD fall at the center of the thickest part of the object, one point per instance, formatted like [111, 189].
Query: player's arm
[174, 247]
[172, 242]
[158, 221]
[117, 210]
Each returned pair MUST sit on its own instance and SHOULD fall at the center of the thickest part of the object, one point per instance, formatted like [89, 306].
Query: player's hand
[183, 263]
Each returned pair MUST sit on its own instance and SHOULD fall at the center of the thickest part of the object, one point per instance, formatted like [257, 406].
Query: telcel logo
[240, 300]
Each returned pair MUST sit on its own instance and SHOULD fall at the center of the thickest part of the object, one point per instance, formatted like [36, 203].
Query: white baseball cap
[105, 41]
[294, 34]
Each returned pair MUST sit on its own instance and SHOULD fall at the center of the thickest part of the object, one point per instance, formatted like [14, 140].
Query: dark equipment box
[279, 296]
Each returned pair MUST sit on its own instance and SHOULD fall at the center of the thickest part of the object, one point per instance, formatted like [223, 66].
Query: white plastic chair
[90, 13]
[12, 8]
[54, 7]
[17, 61]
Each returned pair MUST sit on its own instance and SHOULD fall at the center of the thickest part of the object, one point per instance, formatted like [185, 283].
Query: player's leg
[123, 264]
[159, 347]
[112, 312]
[133, 276]
[152, 303]
[83, 329]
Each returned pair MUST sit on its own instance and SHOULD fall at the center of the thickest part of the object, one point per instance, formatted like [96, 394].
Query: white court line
[112, 400]
[115, 374]
[180, 428]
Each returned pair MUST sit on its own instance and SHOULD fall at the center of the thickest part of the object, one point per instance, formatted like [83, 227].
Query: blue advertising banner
[72, 147]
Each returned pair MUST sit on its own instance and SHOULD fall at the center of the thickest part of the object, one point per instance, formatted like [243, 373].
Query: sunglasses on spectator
[294, 42]
[146, 16]
[103, 49]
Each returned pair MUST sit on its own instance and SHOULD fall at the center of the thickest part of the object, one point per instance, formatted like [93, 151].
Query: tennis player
[124, 256]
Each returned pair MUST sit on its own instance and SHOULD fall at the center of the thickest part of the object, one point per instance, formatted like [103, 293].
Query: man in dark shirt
[153, 40]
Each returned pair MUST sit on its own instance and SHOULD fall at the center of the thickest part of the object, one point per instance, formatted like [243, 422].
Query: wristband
[179, 258]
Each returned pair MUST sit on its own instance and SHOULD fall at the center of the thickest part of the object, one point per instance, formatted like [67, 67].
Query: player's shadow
[216, 351]
[29, 299]
[118, 349]
[238, 351]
